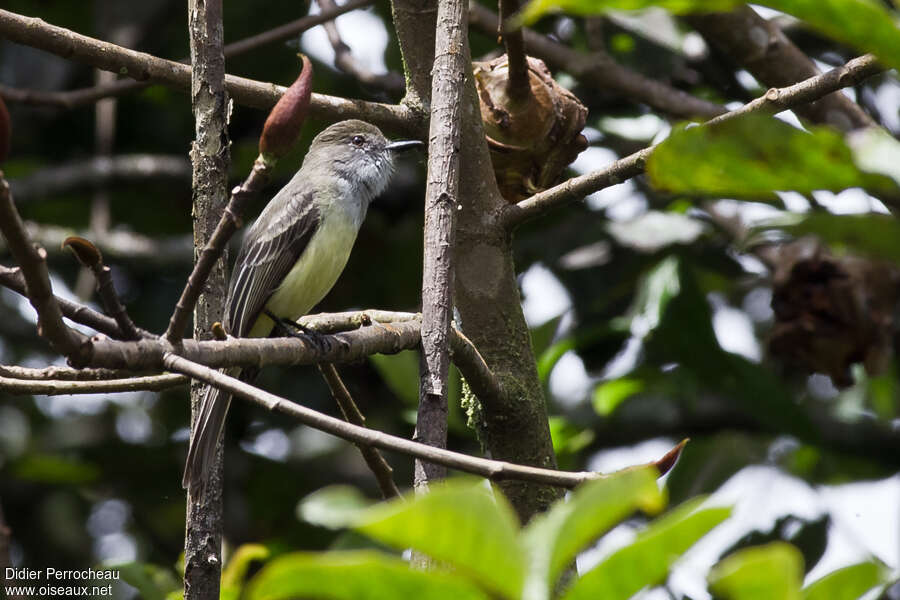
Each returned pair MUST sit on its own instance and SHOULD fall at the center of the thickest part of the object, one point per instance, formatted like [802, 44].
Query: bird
[294, 253]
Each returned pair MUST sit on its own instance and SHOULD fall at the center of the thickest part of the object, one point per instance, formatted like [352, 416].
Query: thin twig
[345, 61]
[80, 97]
[228, 223]
[33, 266]
[54, 387]
[494, 470]
[145, 67]
[774, 101]
[518, 86]
[375, 461]
[602, 72]
[441, 200]
[13, 279]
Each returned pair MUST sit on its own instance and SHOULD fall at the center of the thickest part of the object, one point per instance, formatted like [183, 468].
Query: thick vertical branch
[441, 199]
[209, 155]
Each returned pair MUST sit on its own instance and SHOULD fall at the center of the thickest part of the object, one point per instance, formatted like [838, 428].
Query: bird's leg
[296, 330]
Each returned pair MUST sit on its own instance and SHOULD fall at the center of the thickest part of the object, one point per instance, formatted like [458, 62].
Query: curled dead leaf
[283, 125]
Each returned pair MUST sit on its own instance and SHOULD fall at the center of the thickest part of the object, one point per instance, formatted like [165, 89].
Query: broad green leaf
[537, 8]
[863, 24]
[152, 581]
[51, 468]
[759, 573]
[656, 290]
[354, 576]
[756, 155]
[646, 561]
[555, 538]
[401, 374]
[610, 394]
[871, 234]
[335, 506]
[848, 583]
[460, 522]
[236, 570]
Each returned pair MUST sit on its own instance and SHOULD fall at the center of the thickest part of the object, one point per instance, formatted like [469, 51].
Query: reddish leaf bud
[86, 252]
[284, 122]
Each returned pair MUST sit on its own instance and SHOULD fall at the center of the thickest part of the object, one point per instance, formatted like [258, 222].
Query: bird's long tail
[205, 437]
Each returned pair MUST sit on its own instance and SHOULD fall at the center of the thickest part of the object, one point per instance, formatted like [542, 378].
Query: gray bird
[294, 252]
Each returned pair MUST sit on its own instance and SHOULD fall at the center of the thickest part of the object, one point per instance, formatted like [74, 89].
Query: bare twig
[375, 461]
[492, 469]
[88, 255]
[774, 101]
[215, 247]
[517, 86]
[761, 47]
[602, 72]
[441, 200]
[14, 280]
[145, 67]
[37, 280]
[75, 98]
[54, 387]
[100, 171]
[343, 58]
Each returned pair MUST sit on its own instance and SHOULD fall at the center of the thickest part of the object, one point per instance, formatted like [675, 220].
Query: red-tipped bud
[5, 131]
[283, 125]
[665, 464]
[86, 252]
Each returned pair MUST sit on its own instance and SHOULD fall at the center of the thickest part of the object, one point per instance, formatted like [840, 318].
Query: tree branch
[54, 387]
[145, 67]
[763, 49]
[344, 60]
[491, 469]
[518, 87]
[375, 461]
[32, 262]
[441, 200]
[100, 171]
[602, 72]
[773, 102]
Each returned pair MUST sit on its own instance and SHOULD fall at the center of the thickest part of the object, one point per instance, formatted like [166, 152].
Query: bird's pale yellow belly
[313, 277]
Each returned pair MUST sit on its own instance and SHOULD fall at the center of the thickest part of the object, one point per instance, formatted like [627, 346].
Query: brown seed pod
[286, 118]
[5, 131]
[532, 140]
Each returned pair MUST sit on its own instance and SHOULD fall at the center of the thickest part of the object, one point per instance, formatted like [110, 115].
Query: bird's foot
[295, 330]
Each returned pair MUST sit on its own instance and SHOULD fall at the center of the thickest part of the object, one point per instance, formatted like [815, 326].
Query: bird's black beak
[404, 145]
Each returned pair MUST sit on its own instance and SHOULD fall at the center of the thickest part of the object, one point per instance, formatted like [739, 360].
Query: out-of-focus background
[649, 322]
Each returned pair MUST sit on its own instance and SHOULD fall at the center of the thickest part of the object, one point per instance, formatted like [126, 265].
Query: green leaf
[568, 438]
[401, 374]
[354, 576]
[756, 155]
[51, 468]
[876, 151]
[646, 561]
[152, 581]
[655, 291]
[610, 394]
[759, 573]
[863, 24]
[874, 235]
[236, 570]
[459, 522]
[537, 8]
[848, 583]
[334, 506]
[555, 538]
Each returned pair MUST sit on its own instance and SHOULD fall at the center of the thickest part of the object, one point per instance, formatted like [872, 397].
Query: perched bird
[294, 252]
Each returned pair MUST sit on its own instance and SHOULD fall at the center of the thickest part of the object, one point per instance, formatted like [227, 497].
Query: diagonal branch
[441, 200]
[375, 461]
[146, 67]
[602, 72]
[773, 102]
[75, 98]
[32, 262]
[492, 469]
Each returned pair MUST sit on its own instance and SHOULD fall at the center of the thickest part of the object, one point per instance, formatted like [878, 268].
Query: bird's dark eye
[357, 140]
